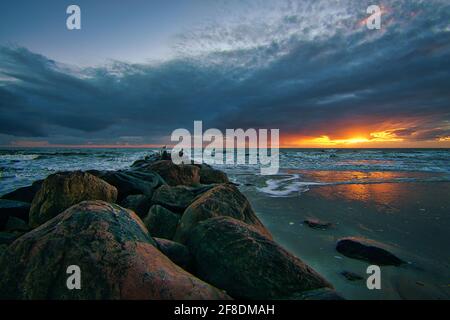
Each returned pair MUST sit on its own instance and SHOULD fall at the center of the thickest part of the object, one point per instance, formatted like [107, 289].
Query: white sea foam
[18, 157]
[286, 187]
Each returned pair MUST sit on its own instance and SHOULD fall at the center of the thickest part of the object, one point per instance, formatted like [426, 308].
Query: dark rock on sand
[317, 224]
[161, 222]
[176, 252]
[173, 174]
[209, 175]
[363, 250]
[139, 203]
[117, 258]
[351, 276]
[62, 190]
[177, 198]
[236, 257]
[24, 194]
[130, 182]
[12, 208]
[222, 200]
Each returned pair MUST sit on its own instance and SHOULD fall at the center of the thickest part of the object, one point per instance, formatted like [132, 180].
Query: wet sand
[411, 219]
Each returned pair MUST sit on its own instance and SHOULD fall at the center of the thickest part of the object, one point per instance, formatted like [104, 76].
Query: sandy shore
[411, 219]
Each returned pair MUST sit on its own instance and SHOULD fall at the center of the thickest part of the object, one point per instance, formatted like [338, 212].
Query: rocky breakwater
[155, 231]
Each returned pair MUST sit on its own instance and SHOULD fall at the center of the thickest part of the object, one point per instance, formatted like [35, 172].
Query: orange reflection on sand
[381, 192]
[357, 176]
[382, 195]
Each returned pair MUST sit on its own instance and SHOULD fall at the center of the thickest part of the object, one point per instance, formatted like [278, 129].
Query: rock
[177, 198]
[317, 224]
[317, 294]
[24, 194]
[233, 256]
[351, 276]
[362, 249]
[176, 252]
[222, 200]
[161, 222]
[16, 224]
[116, 256]
[209, 175]
[173, 174]
[7, 238]
[62, 190]
[130, 182]
[139, 203]
[13, 208]
[142, 163]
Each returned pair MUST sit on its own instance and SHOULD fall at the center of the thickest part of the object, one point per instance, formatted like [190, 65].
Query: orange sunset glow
[377, 139]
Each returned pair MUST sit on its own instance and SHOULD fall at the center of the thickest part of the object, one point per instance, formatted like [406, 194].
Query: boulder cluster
[154, 231]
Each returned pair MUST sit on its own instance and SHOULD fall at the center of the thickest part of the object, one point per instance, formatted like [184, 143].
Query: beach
[410, 219]
[396, 199]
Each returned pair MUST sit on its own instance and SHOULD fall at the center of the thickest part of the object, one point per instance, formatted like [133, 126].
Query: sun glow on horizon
[386, 136]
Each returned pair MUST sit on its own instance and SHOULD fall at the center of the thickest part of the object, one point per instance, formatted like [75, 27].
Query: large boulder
[142, 163]
[62, 190]
[161, 223]
[177, 198]
[177, 252]
[209, 175]
[139, 203]
[222, 200]
[173, 174]
[130, 182]
[24, 194]
[12, 208]
[116, 256]
[367, 250]
[238, 258]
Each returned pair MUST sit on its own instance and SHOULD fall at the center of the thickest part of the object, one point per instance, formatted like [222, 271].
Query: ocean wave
[293, 185]
[18, 157]
[286, 187]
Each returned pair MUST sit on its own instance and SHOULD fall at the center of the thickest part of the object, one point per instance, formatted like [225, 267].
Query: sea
[297, 173]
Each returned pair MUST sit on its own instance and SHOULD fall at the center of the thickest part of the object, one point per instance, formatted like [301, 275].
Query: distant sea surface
[399, 198]
[299, 168]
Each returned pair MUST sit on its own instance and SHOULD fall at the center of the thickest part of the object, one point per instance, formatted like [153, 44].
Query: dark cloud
[303, 84]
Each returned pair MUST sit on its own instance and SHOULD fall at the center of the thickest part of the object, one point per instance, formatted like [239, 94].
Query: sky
[138, 70]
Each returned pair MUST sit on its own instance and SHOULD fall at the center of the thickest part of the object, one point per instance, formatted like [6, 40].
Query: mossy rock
[177, 198]
[161, 222]
[185, 174]
[131, 182]
[238, 258]
[62, 190]
[222, 200]
[117, 257]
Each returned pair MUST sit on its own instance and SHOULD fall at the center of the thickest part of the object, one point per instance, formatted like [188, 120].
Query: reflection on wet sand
[380, 188]
[383, 195]
[361, 176]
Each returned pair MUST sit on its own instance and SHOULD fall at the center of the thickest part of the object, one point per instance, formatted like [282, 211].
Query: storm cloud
[309, 68]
